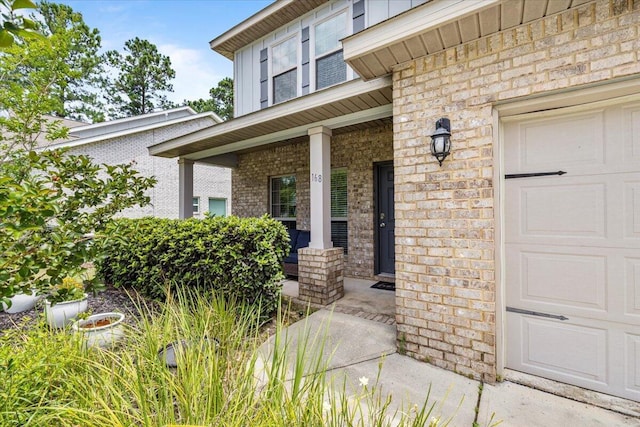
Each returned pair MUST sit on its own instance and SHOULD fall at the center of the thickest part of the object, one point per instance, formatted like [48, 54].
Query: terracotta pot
[62, 313]
[101, 330]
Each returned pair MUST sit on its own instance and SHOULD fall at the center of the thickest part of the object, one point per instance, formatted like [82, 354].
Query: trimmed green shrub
[237, 257]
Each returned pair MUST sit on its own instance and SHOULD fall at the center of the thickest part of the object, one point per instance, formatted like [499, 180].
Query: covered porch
[283, 161]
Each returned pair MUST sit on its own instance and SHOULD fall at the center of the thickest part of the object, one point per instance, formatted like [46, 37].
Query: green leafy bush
[50, 204]
[237, 257]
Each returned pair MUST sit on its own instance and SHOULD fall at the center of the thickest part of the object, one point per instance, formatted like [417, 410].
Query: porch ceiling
[341, 106]
[262, 23]
[439, 25]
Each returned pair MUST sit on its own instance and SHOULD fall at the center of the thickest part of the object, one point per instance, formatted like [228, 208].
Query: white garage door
[572, 246]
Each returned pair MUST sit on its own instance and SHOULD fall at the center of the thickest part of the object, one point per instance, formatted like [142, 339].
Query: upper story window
[284, 70]
[330, 66]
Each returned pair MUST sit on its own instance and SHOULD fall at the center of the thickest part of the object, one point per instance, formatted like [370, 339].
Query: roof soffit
[354, 101]
[439, 25]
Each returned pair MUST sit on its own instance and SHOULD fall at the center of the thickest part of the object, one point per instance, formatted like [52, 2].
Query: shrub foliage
[237, 257]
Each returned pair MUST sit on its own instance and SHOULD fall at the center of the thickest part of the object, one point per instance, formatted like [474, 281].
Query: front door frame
[376, 204]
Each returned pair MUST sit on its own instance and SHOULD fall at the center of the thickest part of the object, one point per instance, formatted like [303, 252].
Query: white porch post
[185, 190]
[320, 183]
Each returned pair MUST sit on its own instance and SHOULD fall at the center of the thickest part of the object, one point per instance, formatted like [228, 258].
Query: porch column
[320, 187]
[320, 265]
[185, 188]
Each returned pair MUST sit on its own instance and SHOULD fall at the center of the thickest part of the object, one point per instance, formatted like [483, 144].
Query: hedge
[237, 257]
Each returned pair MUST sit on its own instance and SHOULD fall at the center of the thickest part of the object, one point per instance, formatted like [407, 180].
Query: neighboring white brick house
[126, 140]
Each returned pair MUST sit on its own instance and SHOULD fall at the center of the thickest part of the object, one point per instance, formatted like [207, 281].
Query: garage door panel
[632, 363]
[574, 281]
[632, 210]
[576, 140]
[632, 287]
[600, 210]
[563, 280]
[581, 351]
[567, 210]
[631, 129]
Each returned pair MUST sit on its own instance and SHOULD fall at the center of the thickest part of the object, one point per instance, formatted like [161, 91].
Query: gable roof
[96, 132]
[260, 24]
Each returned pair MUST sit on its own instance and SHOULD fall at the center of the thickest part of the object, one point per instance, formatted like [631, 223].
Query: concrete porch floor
[359, 300]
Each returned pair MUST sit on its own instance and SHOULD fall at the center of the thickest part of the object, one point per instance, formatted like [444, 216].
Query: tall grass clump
[37, 370]
[224, 377]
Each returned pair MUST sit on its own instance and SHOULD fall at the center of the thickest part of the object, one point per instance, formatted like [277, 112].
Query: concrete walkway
[357, 347]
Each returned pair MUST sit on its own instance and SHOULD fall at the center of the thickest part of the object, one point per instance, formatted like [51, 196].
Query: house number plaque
[316, 177]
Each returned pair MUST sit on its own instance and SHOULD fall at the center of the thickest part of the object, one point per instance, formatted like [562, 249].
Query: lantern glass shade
[441, 141]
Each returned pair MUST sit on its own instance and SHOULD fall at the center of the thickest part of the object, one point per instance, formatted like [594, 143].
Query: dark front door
[385, 219]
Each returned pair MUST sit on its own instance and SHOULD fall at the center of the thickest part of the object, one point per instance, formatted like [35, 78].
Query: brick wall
[209, 181]
[250, 181]
[445, 261]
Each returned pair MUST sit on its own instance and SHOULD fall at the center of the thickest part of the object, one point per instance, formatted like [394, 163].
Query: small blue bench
[297, 239]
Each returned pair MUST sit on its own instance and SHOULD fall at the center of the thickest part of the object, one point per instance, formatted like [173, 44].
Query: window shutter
[339, 193]
[339, 224]
[264, 79]
[305, 60]
[358, 16]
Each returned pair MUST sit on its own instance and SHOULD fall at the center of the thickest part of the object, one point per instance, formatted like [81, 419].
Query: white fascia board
[303, 103]
[132, 119]
[105, 136]
[375, 113]
[410, 24]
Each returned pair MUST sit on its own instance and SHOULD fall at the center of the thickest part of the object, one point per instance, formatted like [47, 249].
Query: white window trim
[196, 205]
[298, 67]
[282, 218]
[312, 47]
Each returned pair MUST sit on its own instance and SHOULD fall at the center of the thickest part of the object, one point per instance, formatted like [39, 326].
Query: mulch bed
[122, 301]
[109, 300]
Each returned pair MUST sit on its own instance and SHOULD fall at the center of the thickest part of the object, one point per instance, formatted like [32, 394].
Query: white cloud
[195, 73]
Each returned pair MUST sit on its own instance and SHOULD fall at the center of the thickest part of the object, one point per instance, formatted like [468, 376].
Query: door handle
[383, 225]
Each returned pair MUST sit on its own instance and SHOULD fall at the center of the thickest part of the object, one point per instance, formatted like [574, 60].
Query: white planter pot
[21, 302]
[61, 314]
[100, 336]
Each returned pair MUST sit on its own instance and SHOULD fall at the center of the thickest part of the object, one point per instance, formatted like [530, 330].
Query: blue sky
[181, 29]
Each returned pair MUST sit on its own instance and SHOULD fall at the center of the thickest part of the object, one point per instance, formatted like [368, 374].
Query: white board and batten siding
[247, 60]
[381, 10]
[572, 246]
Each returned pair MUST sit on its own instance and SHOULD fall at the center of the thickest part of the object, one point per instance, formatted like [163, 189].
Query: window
[339, 214]
[283, 199]
[283, 68]
[196, 205]
[330, 65]
[217, 207]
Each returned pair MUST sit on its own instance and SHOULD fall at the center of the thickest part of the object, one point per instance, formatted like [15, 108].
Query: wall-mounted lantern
[441, 140]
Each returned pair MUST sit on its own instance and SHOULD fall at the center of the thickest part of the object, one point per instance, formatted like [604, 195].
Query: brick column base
[320, 279]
